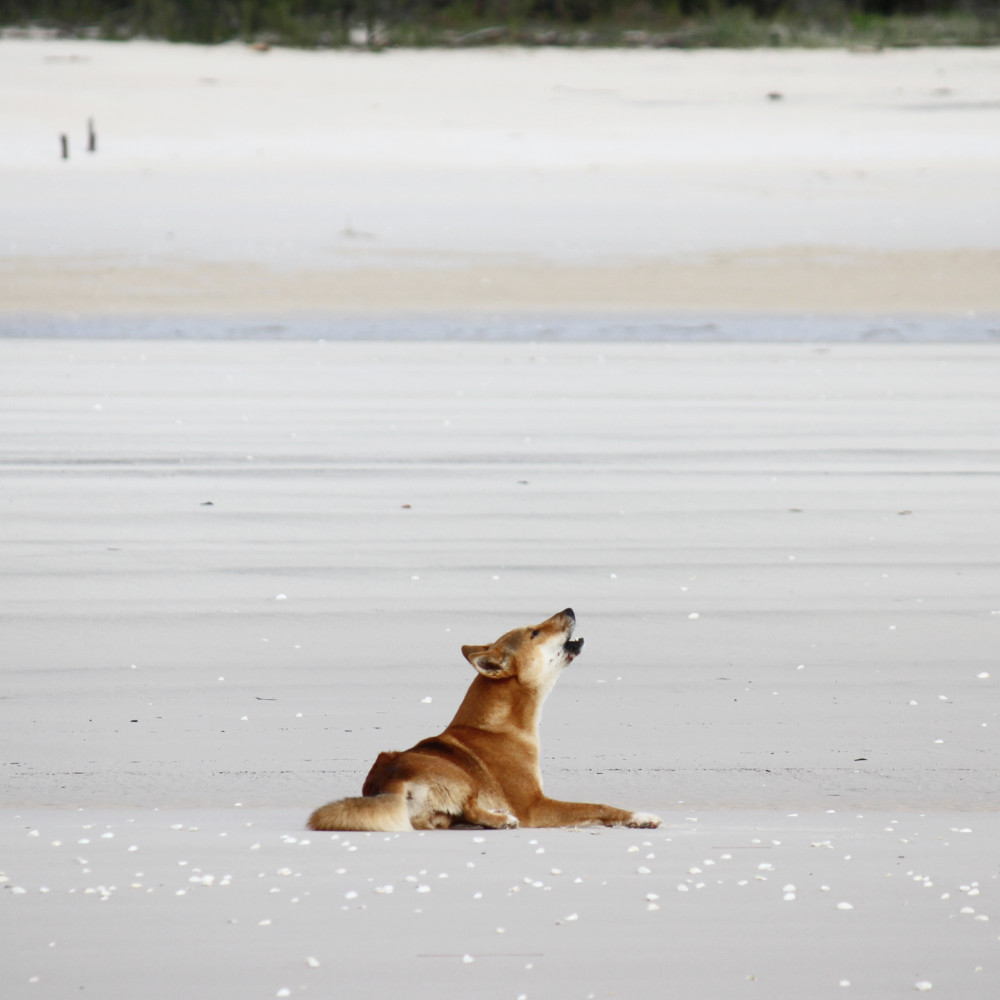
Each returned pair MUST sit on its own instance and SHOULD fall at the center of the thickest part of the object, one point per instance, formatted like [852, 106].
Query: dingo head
[534, 654]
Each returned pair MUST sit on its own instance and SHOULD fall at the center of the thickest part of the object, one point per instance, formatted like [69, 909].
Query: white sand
[829, 514]
[230, 181]
[783, 558]
[206, 904]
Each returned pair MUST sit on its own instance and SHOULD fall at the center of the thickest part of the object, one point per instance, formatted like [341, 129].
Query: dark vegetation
[378, 23]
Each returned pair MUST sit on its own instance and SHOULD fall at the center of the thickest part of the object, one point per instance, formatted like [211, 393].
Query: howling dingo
[484, 768]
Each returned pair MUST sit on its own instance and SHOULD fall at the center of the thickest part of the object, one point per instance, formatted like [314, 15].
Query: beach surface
[234, 572]
[237, 567]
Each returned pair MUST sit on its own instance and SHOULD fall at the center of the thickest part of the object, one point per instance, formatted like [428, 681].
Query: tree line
[340, 22]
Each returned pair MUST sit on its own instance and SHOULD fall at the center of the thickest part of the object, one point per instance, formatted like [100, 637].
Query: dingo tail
[386, 812]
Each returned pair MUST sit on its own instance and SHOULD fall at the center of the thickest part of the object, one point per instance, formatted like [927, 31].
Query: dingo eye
[534, 633]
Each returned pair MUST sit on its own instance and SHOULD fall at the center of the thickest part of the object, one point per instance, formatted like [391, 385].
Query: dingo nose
[568, 612]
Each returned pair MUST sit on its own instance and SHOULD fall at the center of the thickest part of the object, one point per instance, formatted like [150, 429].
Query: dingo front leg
[646, 821]
[551, 812]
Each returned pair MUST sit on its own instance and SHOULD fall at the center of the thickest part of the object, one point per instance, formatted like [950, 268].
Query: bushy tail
[372, 812]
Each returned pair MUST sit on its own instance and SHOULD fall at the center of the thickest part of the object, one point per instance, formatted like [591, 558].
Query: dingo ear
[492, 663]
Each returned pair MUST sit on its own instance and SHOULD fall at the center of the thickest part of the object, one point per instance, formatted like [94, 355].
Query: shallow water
[687, 328]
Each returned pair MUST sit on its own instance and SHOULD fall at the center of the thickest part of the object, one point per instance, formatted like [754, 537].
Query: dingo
[484, 768]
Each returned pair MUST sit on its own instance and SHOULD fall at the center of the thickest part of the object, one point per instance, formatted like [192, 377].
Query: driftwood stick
[64, 143]
[91, 136]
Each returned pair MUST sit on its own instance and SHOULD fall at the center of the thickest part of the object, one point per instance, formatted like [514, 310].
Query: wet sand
[235, 572]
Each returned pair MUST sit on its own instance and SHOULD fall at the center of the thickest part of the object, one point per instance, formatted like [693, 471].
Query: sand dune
[227, 180]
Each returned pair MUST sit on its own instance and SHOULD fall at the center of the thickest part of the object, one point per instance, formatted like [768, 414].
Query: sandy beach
[237, 567]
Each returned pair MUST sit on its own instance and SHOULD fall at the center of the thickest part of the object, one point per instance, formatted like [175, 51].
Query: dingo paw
[643, 820]
[510, 821]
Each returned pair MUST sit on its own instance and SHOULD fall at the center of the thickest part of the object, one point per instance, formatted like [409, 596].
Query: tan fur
[484, 768]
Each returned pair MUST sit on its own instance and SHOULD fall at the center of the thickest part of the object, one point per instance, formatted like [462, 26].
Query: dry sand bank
[234, 182]
[957, 282]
